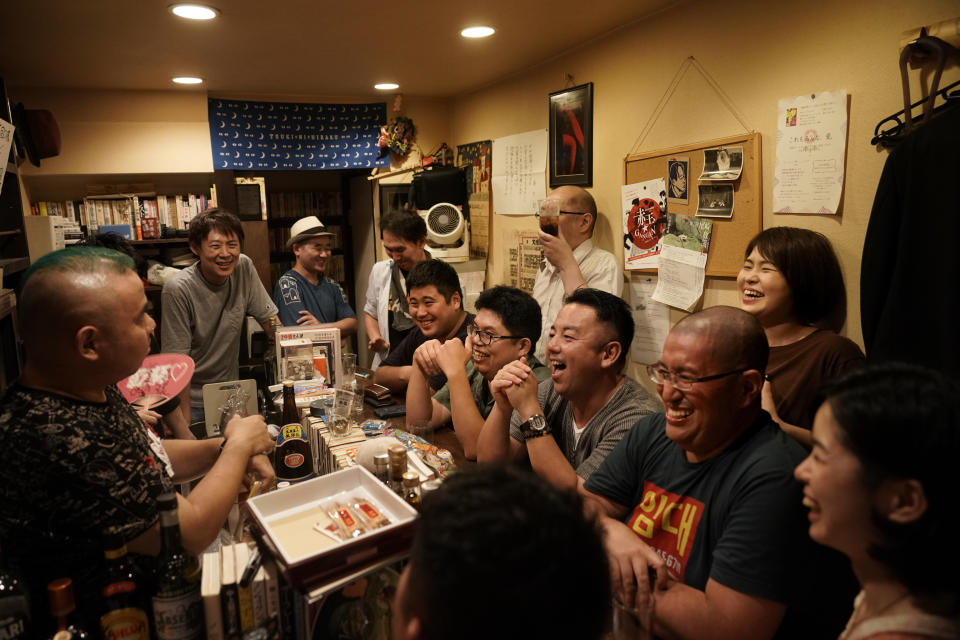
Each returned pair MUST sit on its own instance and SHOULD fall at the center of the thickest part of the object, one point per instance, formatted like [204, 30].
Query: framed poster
[571, 136]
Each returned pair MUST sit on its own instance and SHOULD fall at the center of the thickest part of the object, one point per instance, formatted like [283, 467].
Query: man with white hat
[305, 294]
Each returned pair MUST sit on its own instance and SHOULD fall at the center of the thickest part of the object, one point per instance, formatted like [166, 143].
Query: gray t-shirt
[206, 321]
[602, 432]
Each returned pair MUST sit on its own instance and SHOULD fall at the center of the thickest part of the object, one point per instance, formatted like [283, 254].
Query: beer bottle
[62, 608]
[177, 609]
[123, 615]
[294, 459]
[14, 607]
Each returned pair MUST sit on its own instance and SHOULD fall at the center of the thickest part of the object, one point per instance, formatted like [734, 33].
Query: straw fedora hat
[305, 228]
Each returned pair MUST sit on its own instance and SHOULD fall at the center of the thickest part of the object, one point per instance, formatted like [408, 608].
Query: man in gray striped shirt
[586, 405]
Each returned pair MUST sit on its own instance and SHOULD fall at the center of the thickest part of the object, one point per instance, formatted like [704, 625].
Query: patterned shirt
[325, 300]
[68, 470]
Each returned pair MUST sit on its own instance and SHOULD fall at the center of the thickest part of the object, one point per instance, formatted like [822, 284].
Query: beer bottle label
[13, 627]
[125, 624]
[179, 617]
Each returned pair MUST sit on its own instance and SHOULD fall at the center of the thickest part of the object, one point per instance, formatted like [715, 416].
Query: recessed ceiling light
[194, 11]
[188, 80]
[386, 86]
[477, 32]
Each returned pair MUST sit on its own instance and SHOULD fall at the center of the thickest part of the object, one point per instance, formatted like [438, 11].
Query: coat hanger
[920, 49]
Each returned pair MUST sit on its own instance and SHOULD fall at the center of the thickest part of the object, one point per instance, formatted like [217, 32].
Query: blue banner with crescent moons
[285, 136]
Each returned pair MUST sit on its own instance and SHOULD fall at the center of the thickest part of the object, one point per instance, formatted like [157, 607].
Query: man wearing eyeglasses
[702, 496]
[566, 425]
[505, 329]
[571, 259]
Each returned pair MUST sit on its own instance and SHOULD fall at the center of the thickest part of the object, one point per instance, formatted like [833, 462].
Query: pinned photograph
[716, 201]
[677, 171]
[725, 163]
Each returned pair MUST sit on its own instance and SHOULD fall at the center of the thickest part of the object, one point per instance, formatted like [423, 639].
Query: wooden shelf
[286, 222]
[13, 265]
[11, 232]
[160, 241]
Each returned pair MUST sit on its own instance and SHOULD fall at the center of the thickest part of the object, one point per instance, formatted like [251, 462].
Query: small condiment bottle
[411, 488]
[398, 466]
[381, 467]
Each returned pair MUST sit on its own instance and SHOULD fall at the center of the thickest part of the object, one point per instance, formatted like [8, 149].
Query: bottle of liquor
[177, 608]
[123, 614]
[14, 607]
[62, 608]
[294, 460]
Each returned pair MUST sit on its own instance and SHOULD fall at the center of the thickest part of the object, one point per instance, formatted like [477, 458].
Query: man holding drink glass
[567, 219]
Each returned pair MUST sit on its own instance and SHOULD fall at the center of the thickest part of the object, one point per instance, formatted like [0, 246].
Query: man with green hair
[74, 456]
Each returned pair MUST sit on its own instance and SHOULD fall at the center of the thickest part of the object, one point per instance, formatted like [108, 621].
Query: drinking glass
[548, 215]
[339, 419]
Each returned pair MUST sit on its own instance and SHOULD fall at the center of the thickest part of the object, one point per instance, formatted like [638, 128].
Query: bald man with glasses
[702, 496]
[505, 329]
[571, 260]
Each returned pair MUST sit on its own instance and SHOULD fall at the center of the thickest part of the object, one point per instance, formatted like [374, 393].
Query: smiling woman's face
[764, 292]
[834, 491]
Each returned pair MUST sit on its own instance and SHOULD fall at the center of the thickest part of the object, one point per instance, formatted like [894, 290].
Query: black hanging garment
[910, 271]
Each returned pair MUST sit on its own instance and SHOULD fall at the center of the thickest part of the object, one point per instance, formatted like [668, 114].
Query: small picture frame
[571, 136]
[251, 198]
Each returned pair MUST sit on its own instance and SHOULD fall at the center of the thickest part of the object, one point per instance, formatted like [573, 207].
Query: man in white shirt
[572, 261]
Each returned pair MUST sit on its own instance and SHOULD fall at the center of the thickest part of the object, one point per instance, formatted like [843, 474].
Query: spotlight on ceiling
[386, 86]
[477, 32]
[188, 80]
[194, 11]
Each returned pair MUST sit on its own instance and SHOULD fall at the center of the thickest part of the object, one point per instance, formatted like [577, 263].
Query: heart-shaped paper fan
[162, 376]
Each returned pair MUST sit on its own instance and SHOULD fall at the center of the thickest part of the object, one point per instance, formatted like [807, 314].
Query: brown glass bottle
[294, 459]
[63, 608]
[123, 613]
[177, 608]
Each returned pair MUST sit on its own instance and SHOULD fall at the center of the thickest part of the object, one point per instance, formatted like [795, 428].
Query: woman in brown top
[791, 282]
[881, 487]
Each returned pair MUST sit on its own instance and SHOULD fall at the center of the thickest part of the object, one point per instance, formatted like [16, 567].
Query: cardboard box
[284, 522]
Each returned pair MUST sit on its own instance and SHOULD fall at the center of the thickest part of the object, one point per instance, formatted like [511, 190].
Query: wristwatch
[535, 426]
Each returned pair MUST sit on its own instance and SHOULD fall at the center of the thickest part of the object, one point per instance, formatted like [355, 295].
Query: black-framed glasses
[682, 381]
[571, 213]
[486, 338]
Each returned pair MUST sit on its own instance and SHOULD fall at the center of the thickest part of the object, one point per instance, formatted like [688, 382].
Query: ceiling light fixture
[477, 32]
[386, 86]
[194, 11]
[188, 80]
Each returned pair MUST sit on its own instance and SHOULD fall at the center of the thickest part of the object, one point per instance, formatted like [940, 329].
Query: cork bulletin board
[730, 236]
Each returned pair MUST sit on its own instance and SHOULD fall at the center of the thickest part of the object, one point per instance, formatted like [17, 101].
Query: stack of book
[231, 610]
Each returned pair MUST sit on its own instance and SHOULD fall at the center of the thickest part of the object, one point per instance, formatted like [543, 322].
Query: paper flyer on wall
[644, 207]
[519, 166]
[524, 257]
[475, 158]
[811, 151]
[683, 261]
[651, 320]
[6, 139]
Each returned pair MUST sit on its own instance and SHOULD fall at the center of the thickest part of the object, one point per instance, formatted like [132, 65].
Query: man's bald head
[577, 199]
[737, 339]
[65, 290]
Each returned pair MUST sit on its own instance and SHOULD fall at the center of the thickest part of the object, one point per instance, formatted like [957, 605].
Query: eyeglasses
[570, 213]
[486, 338]
[681, 381]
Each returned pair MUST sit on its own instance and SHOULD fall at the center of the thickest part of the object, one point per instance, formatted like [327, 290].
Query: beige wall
[758, 52]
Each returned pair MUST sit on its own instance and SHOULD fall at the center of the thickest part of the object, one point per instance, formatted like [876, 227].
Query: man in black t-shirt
[74, 457]
[704, 496]
[436, 304]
